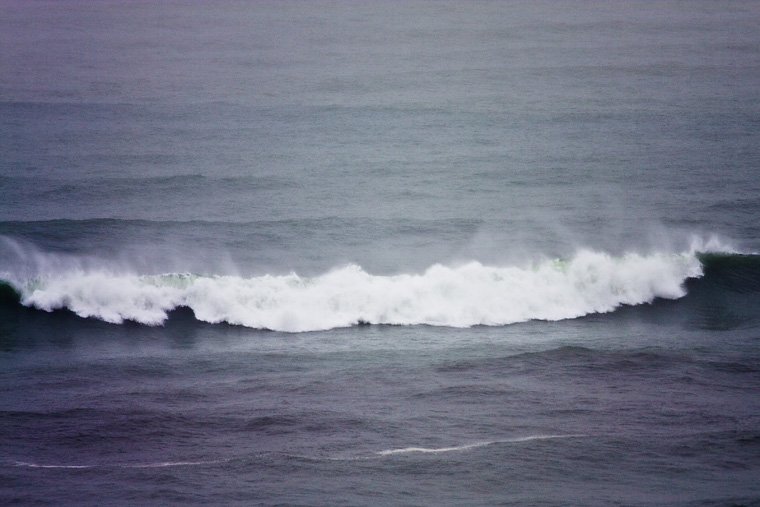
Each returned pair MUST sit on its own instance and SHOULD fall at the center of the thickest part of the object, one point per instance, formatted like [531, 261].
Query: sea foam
[457, 296]
[465, 447]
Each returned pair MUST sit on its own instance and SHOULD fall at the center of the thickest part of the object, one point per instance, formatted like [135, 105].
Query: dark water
[387, 253]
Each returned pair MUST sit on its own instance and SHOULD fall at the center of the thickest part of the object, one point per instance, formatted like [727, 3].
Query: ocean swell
[456, 296]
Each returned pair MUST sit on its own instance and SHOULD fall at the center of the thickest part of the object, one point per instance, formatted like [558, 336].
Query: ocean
[380, 253]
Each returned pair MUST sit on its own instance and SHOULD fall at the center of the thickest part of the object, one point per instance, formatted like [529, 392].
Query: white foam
[408, 450]
[139, 465]
[426, 450]
[175, 464]
[36, 465]
[457, 296]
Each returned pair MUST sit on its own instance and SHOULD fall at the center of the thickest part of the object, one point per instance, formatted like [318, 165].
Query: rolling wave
[455, 296]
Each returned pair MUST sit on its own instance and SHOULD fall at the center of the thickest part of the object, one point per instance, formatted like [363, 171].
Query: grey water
[380, 253]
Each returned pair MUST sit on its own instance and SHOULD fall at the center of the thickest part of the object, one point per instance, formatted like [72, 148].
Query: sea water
[380, 253]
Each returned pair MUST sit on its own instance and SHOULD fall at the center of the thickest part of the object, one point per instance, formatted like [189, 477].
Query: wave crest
[457, 296]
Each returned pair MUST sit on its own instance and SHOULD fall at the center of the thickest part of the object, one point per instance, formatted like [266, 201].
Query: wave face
[457, 296]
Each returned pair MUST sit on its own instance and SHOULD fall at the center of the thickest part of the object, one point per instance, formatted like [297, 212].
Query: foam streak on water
[427, 450]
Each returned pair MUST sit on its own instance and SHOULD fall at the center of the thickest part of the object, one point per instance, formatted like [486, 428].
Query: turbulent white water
[457, 296]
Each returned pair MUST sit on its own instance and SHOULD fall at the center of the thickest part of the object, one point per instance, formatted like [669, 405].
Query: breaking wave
[456, 295]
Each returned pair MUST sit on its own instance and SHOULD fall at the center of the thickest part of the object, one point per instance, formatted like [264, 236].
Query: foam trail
[408, 450]
[142, 465]
[176, 464]
[36, 465]
[427, 450]
[456, 296]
